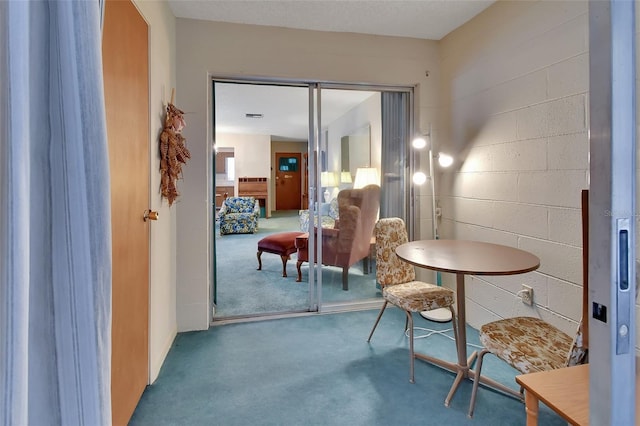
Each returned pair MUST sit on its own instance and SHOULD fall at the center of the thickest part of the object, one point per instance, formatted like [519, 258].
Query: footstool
[282, 244]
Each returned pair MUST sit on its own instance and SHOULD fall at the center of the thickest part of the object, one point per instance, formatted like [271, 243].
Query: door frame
[315, 134]
[612, 206]
[300, 175]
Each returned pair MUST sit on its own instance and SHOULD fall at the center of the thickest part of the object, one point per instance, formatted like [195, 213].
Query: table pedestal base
[464, 372]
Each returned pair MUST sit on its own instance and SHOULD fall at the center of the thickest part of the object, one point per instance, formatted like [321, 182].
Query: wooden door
[289, 172]
[126, 82]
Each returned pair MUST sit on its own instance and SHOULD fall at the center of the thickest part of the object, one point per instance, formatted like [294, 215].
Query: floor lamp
[419, 178]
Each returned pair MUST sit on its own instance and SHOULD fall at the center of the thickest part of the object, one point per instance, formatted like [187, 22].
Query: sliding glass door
[346, 138]
[355, 147]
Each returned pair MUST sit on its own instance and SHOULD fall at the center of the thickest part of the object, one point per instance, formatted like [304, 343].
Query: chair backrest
[390, 269]
[240, 204]
[579, 351]
[358, 211]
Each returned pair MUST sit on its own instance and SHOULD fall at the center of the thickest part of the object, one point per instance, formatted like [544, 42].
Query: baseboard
[330, 308]
[326, 309]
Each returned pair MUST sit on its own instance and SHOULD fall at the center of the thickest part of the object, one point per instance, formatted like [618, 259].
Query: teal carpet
[319, 370]
[243, 290]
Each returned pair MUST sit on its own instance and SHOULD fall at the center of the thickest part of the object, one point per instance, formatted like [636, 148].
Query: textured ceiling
[425, 19]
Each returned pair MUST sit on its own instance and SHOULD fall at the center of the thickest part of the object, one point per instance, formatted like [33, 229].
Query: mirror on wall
[356, 150]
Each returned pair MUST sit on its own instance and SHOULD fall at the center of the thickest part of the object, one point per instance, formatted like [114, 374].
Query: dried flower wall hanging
[173, 152]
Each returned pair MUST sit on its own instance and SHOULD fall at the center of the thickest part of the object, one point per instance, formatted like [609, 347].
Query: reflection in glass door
[350, 158]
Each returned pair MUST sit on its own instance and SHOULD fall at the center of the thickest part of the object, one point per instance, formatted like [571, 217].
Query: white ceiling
[285, 109]
[425, 19]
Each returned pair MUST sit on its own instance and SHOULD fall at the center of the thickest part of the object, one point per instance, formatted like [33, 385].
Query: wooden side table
[565, 391]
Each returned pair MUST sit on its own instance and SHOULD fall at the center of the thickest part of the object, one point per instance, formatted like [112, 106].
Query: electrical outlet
[526, 294]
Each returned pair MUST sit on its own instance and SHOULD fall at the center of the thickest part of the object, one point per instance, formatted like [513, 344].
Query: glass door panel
[349, 157]
[263, 127]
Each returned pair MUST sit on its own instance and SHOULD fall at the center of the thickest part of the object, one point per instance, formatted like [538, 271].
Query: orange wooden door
[126, 83]
[289, 172]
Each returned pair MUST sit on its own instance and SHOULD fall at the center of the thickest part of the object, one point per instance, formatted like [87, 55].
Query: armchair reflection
[350, 240]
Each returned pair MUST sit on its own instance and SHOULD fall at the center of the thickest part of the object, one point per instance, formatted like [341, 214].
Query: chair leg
[476, 382]
[384, 306]
[345, 278]
[298, 264]
[411, 353]
[365, 265]
[284, 265]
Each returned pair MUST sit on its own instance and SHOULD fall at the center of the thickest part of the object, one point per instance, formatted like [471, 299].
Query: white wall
[515, 91]
[221, 49]
[366, 113]
[252, 154]
[162, 314]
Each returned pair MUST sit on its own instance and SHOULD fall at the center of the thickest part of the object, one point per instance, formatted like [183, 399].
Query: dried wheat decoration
[173, 152]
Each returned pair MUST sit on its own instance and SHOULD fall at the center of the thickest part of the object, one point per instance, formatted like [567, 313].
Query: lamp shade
[366, 176]
[345, 177]
[328, 179]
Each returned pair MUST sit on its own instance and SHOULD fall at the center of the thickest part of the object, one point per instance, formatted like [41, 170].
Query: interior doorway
[288, 180]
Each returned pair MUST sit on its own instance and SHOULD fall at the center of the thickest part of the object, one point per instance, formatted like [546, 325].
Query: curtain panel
[395, 154]
[55, 243]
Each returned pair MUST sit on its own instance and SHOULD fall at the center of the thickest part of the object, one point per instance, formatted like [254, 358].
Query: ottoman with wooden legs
[282, 244]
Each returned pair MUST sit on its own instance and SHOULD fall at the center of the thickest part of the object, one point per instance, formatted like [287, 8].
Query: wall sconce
[328, 180]
[366, 176]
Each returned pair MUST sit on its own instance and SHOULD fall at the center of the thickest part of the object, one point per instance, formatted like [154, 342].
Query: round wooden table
[462, 258]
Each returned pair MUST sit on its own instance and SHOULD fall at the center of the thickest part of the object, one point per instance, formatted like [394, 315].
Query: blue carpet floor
[242, 290]
[320, 370]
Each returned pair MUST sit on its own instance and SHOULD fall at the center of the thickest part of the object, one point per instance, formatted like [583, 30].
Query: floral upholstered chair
[239, 215]
[399, 287]
[329, 214]
[530, 344]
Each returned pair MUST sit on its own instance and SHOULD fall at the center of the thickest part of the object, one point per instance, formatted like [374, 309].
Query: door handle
[150, 215]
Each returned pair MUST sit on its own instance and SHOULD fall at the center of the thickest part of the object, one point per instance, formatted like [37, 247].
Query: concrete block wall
[515, 87]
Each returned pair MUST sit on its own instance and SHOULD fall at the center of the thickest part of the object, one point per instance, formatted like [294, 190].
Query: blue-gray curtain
[55, 236]
[395, 163]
